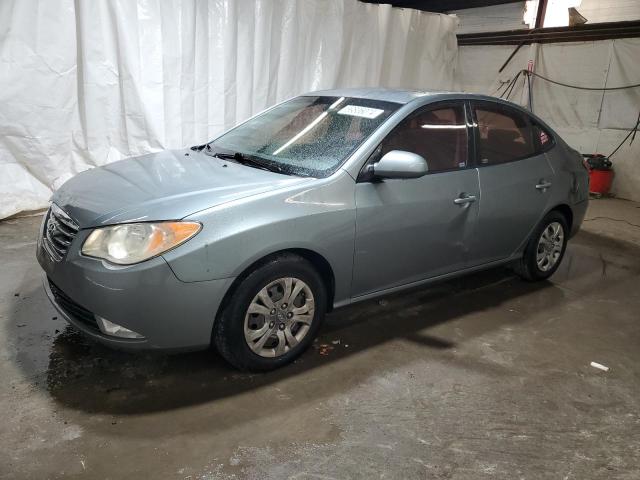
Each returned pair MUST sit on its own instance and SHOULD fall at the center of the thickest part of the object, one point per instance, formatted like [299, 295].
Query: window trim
[364, 176]
[473, 104]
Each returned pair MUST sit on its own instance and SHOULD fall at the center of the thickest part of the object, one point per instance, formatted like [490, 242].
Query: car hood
[167, 185]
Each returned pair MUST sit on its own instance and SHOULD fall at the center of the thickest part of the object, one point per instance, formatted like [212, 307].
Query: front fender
[319, 217]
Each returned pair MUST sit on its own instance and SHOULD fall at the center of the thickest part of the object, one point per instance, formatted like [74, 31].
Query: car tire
[236, 325]
[545, 248]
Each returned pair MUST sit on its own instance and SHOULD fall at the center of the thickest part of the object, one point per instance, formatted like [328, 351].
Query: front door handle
[463, 200]
[543, 185]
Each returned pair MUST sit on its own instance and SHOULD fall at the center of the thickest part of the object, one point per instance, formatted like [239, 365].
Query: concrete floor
[483, 377]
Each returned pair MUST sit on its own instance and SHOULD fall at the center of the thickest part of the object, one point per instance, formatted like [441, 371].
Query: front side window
[307, 135]
[504, 135]
[439, 135]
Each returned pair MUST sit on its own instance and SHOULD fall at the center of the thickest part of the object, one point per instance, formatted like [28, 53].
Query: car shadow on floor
[83, 375]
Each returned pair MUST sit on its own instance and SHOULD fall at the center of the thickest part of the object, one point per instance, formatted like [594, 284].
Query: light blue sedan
[321, 201]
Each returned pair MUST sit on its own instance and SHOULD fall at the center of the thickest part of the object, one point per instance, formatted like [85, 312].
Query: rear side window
[542, 137]
[504, 135]
[437, 134]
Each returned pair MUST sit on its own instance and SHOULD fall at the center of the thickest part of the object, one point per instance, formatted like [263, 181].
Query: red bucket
[600, 181]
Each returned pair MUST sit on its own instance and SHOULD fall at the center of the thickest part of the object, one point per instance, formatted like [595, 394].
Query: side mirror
[400, 164]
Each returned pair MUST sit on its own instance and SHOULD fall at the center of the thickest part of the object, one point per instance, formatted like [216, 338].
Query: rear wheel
[272, 316]
[545, 249]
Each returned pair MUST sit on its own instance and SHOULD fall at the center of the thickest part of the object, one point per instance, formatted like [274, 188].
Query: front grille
[59, 232]
[71, 308]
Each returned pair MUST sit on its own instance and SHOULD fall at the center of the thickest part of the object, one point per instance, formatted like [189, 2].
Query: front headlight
[135, 242]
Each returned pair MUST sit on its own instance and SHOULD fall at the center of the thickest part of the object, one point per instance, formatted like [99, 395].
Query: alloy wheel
[279, 317]
[550, 246]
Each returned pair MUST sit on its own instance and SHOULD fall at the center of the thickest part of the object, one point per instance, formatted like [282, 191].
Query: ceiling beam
[441, 6]
[577, 33]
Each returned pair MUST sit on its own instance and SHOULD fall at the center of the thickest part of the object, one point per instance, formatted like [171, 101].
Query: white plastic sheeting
[590, 121]
[84, 83]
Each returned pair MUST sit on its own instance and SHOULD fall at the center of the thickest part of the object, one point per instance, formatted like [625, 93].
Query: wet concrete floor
[481, 377]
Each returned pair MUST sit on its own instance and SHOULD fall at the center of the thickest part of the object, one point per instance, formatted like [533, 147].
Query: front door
[412, 229]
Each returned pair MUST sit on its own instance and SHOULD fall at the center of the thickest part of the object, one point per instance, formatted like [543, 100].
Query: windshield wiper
[250, 161]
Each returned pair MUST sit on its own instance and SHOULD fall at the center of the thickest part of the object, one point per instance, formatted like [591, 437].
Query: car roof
[384, 94]
[398, 95]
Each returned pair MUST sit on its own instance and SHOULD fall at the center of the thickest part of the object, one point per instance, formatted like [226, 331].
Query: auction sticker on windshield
[357, 111]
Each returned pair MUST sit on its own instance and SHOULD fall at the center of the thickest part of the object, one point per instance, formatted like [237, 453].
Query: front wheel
[545, 249]
[272, 316]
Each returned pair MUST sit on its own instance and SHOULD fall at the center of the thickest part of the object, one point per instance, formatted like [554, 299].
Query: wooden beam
[577, 33]
[540, 14]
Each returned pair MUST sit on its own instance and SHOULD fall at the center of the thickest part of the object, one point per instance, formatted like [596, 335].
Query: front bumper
[147, 298]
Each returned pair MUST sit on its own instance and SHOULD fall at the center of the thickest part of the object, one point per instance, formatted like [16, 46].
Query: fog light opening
[115, 330]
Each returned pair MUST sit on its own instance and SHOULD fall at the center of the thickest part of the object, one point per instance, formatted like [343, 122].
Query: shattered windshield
[307, 135]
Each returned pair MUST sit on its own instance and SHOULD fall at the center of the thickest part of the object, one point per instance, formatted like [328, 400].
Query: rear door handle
[543, 185]
[463, 200]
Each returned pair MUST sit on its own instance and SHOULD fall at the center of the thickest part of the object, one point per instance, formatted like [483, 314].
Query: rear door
[515, 177]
